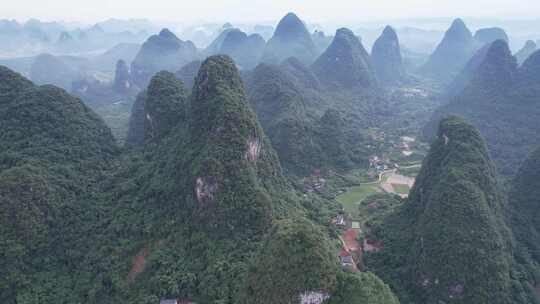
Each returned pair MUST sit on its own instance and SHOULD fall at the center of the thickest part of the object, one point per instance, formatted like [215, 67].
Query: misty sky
[255, 10]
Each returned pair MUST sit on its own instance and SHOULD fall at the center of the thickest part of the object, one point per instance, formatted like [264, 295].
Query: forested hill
[288, 101]
[501, 101]
[524, 208]
[450, 242]
[190, 214]
[291, 39]
[452, 53]
[53, 153]
[345, 64]
[164, 51]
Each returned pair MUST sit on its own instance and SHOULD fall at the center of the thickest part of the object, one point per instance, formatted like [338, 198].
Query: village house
[315, 182]
[373, 161]
[339, 220]
[346, 258]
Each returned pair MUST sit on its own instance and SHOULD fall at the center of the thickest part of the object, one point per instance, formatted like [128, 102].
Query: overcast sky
[183, 11]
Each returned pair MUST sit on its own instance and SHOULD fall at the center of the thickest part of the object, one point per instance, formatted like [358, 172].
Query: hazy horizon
[266, 10]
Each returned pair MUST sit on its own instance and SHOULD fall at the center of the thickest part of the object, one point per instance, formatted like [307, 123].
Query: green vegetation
[294, 249]
[116, 116]
[450, 241]
[165, 105]
[375, 208]
[305, 137]
[500, 100]
[524, 206]
[412, 171]
[188, 216]
[401, 189]
[359, 288]
[53, 153]
[222, 197]
[352, 198]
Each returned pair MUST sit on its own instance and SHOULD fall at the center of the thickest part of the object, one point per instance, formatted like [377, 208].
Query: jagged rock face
[527, 50]
[345, 63]
[291, 39]
[386, 55]
[188, 73]
[489, 35]
[451, 55]
[122, 78]
[244, 50]
[455, 214]
[48, 69]
[161, 52]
